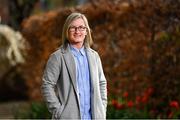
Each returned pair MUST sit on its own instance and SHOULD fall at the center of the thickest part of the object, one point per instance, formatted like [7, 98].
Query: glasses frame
[79, 28]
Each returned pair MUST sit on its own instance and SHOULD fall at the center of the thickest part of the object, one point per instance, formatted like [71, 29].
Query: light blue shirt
[83, 81]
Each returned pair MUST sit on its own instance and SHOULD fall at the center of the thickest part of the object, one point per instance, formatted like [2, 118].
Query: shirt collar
[76, 51]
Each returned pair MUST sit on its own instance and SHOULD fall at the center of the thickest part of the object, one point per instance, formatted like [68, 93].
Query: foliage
[19, 10]
[138, 42]
[128, 113]
[16, 44]
[12, 47]
[141, 107]
[36, 110]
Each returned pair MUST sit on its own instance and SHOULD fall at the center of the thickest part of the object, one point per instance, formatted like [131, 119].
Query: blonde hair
[88, 39]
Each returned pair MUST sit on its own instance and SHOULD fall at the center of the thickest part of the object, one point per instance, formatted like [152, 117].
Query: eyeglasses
[79, 28]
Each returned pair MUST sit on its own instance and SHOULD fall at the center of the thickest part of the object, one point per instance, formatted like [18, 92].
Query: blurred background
[138, 42]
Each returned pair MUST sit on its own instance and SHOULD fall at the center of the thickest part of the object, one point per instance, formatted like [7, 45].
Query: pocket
[57, 113]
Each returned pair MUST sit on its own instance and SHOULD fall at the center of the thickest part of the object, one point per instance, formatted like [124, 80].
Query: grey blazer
[59, 86]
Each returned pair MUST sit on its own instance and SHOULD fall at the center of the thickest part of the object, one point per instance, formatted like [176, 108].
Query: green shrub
[36, 110]
[126, 113]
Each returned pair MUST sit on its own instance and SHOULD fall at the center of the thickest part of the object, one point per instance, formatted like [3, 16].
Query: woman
[74, 85]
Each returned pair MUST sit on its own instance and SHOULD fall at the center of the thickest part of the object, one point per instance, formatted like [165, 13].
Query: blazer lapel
[91, 61]
[70, 63]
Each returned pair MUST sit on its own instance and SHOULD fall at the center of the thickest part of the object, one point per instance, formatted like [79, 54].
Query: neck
[77, 45]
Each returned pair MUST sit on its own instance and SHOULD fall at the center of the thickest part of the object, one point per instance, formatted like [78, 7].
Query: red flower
[120, 106]
[130, 104]
[138, 99]
[145, 99]
[125, 94]
[150, 91]
[174, 104]
[114, 102]
[117, 105]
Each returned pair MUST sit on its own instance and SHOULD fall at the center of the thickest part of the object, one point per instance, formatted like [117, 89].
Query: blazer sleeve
[102, 82]
[49, 80]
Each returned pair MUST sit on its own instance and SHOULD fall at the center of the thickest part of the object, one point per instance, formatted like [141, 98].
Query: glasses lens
[80, 28]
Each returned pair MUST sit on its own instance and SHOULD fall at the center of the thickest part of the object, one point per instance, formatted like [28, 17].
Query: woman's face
[77, 32]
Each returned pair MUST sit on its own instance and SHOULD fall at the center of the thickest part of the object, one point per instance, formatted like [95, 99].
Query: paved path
[8, 109]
